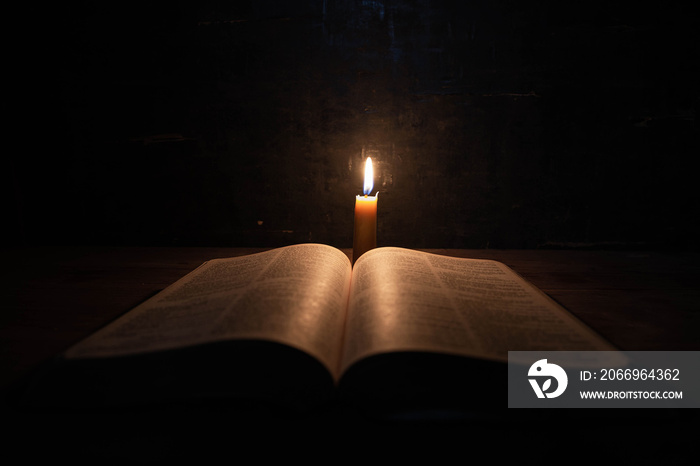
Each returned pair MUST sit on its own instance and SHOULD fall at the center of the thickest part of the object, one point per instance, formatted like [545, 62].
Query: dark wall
[503, 124]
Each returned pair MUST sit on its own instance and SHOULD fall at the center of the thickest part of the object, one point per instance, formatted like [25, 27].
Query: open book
[298, 322]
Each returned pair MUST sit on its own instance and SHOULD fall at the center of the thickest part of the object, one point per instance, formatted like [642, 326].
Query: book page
[404, 300]
[296, 295]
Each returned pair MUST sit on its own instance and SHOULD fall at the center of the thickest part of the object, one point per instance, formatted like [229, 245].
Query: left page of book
[295, 295]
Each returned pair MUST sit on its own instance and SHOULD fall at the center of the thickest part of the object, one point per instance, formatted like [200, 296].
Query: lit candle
[365, 235]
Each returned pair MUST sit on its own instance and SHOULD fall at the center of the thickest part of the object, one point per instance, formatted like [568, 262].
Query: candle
[365, 235]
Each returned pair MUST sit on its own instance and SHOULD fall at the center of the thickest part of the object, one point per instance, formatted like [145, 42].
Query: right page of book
[405, 300]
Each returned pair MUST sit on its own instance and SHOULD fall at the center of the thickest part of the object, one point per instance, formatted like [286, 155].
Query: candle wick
[365, 195]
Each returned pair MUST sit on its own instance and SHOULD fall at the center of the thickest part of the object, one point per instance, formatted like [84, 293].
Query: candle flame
[369, 176]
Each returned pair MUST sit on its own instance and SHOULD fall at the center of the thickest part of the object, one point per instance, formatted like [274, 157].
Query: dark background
[492, 124]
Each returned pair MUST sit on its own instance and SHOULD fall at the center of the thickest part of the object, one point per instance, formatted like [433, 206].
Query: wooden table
[53, 297]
